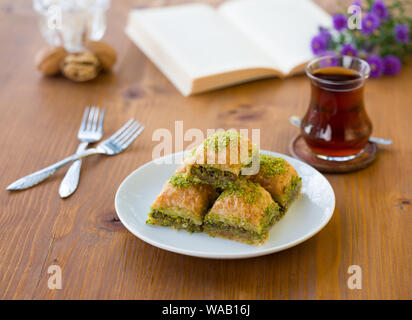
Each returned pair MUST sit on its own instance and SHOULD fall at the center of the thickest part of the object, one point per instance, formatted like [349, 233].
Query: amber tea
[336, 126]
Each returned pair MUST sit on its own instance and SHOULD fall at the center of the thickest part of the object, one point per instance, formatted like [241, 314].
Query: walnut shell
[104, 52]
[79, 67]
[48, 60]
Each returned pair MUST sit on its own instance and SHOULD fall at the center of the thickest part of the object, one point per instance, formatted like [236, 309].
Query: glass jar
[70, 23]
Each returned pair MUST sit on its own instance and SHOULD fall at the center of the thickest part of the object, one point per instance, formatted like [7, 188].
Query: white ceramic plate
[307, 215]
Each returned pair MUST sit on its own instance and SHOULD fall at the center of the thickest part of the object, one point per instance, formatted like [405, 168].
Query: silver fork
[118, 142]
[91, 130]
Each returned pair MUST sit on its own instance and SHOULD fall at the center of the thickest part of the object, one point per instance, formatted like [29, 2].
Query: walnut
[104, 52]
[80, 67]
[48, 60]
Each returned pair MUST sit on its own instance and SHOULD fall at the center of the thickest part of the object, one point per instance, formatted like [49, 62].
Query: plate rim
[225, 256]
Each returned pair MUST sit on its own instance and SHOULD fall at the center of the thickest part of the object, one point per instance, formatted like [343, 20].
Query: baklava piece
[182, 204]
[278, 177]
[221, 158]
[244, 212]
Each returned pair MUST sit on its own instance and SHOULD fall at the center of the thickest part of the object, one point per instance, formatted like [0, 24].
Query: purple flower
[379, 8]
[318, 44]
[331, 61]
[357, 3]
[391, 65]
[325, 34]
[370, 23]
[349, 50]
[339, 21]
[376, 65]
[402, 33]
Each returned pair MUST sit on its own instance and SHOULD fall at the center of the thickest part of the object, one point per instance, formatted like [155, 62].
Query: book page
[281, 28]
[197, 39]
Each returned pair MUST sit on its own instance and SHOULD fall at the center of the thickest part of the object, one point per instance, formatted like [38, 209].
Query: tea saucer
[300, 150]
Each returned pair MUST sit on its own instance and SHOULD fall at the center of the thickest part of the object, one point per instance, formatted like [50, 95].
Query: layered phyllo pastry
[244, 212]
[249, 202]
[220, 159]
[182, 204]
[278, 177]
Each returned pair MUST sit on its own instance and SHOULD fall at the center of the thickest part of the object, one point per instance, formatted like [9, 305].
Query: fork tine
[132, 129]
[132, 138]
[127, 132]
[90, 119]
[95, 118]
[100, 125]
[121, 130]
[85, 114]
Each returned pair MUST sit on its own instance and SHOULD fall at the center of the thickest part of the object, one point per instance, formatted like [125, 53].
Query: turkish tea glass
[70, 23]
[336, 126]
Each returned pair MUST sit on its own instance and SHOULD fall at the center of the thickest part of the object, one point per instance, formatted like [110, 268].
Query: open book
[200, 48]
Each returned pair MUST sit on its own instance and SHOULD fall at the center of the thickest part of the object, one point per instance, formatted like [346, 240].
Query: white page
[282, 28]
[199, 40]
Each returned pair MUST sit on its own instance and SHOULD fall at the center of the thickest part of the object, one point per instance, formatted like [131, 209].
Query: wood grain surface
[39, 118]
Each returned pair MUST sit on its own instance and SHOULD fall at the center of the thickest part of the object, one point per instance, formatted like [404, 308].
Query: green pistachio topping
[293, 189]
[221, 140]
[271, 166]
[181, 181]
[249, 191]
[270, 208]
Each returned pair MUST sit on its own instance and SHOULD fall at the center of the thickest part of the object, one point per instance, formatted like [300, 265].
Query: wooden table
[371, 226]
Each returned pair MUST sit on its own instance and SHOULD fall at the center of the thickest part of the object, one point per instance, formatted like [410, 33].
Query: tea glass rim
[364, 74]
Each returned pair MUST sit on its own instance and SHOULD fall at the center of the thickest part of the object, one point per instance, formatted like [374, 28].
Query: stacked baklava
[213, 190]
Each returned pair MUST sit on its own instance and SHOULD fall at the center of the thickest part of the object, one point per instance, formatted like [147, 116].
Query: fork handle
[41, 175]
[71, 179]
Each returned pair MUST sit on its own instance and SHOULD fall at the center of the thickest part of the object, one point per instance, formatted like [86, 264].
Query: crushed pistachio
[270, 208]
[181, 181]
[160, 217]
[271, 166]
[248, 190]
[221, 140]
[293, 190]
[210, 175]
